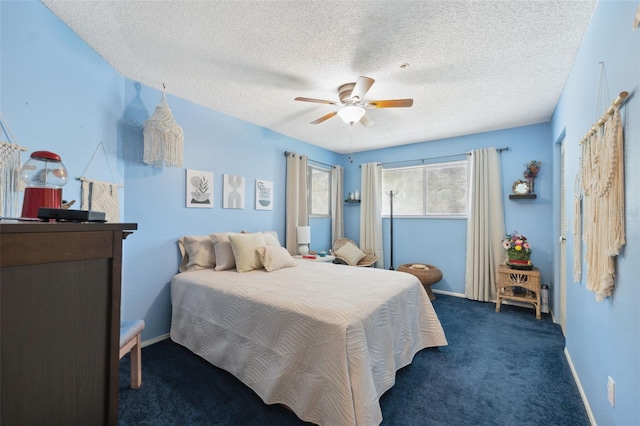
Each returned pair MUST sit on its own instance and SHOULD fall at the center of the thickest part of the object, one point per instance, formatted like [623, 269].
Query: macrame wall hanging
[9, 171]
[577, 229]
[602, 177]
[636, 22]
[99, 195]
[163, 138]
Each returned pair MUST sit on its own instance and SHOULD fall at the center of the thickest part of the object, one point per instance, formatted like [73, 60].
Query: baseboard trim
[154, 340]
[592, 420]
[448, 293]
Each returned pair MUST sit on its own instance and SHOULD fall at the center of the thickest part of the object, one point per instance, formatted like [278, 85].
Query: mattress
[325, 340]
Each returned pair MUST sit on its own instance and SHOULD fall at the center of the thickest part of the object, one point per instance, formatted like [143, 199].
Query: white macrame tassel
[602, 172]
[10, 179]
[577, 230]
[102, 197]
[163, 138]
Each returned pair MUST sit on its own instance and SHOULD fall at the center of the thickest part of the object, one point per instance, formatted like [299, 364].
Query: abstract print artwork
[233, 193]
[199, 187]
[264, 195]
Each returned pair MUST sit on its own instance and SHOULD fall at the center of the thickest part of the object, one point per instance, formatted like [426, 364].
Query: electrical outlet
[611, 391]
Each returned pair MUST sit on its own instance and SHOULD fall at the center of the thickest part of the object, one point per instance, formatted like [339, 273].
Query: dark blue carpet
[502, 368]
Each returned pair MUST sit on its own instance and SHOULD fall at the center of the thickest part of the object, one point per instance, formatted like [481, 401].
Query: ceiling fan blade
[324, 117]
[366, 121]
[390, 103]
[361, 88]
[318, 101]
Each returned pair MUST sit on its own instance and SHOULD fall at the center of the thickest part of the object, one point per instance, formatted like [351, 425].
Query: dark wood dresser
[60, 322]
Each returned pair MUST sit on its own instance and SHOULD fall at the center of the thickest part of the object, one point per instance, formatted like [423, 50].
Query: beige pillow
[223, 251]
[245, 250]
[271, 239]
[274, 258]
[350, 253]
[197, 253]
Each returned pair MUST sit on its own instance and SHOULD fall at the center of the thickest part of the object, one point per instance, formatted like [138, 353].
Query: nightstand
[510, 279]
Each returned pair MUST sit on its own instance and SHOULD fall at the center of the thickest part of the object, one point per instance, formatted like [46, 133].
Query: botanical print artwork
[264, 195]
[233, 196]
[199, 187]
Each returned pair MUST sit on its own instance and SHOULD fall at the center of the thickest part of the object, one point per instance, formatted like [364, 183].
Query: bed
[324, 340]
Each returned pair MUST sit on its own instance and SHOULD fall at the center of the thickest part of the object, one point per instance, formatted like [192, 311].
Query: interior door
[561, 315]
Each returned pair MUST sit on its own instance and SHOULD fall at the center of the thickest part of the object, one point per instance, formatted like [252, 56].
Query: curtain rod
[506, 148]
[309, 159]
[608, 113]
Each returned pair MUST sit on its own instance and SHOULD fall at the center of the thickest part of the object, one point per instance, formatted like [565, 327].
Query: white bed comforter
[323, 339]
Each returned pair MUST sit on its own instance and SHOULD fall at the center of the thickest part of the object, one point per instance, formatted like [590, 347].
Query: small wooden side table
[428, 275]
[529, 280]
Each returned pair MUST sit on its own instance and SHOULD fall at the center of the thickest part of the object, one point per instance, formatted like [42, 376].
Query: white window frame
[310, 169]
[425, 214]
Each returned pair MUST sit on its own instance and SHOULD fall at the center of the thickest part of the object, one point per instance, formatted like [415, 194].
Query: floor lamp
[391, 195]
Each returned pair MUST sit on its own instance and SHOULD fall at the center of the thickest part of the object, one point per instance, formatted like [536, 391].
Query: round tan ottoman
[427, 274]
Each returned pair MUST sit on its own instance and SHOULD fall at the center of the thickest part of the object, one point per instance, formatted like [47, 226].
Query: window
[431, 190]
[319, 187]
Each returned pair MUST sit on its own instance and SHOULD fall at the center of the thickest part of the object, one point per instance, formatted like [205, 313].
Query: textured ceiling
[474, 66]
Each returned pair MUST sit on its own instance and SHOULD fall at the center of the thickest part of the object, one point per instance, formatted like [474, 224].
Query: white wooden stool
[130, 341]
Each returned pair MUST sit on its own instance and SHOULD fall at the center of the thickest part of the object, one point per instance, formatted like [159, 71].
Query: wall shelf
[522, 196]
[352, 201]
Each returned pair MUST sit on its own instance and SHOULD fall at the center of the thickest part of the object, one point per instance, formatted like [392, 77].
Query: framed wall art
[264, 195]
[233, 192]
[199, 189]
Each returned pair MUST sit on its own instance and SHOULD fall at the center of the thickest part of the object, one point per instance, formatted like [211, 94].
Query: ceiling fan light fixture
[351, 114]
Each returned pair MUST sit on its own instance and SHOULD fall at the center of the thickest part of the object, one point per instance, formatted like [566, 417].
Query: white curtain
[485, 226]
[371, 211]
[297, 211]
[337, 203]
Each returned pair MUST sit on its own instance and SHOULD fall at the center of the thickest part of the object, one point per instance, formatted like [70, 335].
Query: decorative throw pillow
[245, 250]
[274, 258]
[350, 253]
[224, 253]
[271, 239]
[197, 253]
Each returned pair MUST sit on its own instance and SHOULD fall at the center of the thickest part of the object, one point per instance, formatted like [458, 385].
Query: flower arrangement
[532, 169]
[518, 251]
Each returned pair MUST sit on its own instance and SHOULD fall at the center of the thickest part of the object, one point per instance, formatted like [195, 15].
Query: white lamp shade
[304, 234]
[351, 114]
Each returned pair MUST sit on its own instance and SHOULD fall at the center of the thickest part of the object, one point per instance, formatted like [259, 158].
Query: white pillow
[274, 258]
[224, 253]
[245, 250]
[350, 253]
[271, 239]
[197, 253]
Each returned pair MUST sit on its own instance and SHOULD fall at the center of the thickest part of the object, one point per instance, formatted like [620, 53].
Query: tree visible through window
[319, 187]
[429, 190]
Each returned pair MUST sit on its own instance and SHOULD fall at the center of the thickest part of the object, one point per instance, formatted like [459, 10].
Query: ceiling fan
[351, 97]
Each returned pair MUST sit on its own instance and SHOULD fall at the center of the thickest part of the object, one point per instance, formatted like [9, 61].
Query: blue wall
[603, 338]
[57, 94]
